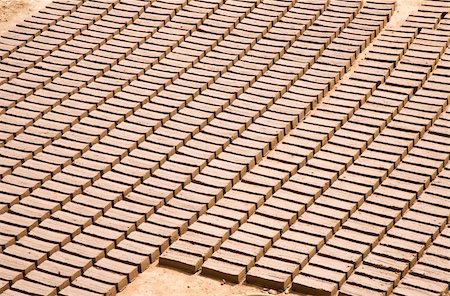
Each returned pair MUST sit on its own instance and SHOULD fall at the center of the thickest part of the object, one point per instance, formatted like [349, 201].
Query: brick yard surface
[248, 140]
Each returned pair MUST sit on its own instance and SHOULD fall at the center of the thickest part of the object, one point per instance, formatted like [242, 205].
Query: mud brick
[409, 246]
[187, 205]
[432, 267]
[408, 290]
[223, 270]
[142, 238]
[307, 284]
[181, 260]
[299, 247]
[8, 189]
[387, 263]
[118, 267]
[16, 263]
[31, 287]
[216, 172]
[93, 241]
[128, 257]
[282, 210]
[382, 210]
[262, 180]
[423, 284]
[59, 269]
[274, 264]
[71, 260]
[420, 238]
[105, 233]
[168, 222]
[234, 214]
[251, 238]
[154, 201]
[358, 286]
[395, 253]
[268, 277]
[120, 281]
[47, 279]
[23, 146]
[340, 204]
[248, 197]
[36, 208]
[228, 166]
[318, 163]
[94, 285]
[86, 251]
[418, 227]
[303, 189]
[295, 198]
[8, 275]
[195, 238]
[18, 220]
[31, 173]
[165, 185]
[87, 204]
[26, 253]
[269, 222]
[353, 243]
[311, 239]
[235, 258]
[152, 251]
[11, 232]
[131, 211]
[212, 226]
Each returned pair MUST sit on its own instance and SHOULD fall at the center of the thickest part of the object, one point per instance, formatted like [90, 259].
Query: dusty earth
[14, 11]
[161, 281]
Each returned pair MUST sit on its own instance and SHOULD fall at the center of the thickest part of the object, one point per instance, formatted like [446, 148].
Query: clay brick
[268, 278]
[35, 288]
[307, 284]
[47, 279]
[94, 285]
[223, 270]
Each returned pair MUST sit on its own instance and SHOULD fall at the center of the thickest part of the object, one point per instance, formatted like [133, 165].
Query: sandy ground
[162, 281]
[157, 280]
[14, 11]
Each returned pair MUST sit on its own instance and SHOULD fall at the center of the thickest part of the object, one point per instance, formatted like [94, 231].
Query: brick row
[174, 149]
[105, 71]
[361, 180]
[404, 244]
[82, 61]
[135, 64]
[334, 156]
[130, 141]
[440, 6]
[312, 173]
[92, 194]
[111, 211]
[157, 229]
[78, 25]
[35, 25]
[132, 97]
[430, 275]
[361, 232]
[71, 111]
[276, 170]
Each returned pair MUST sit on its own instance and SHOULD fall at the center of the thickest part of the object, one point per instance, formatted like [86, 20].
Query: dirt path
[14, 11]
[154, 282]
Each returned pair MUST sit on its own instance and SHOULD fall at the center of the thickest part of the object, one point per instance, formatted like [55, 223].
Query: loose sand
[161, 281]
[14, 11]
